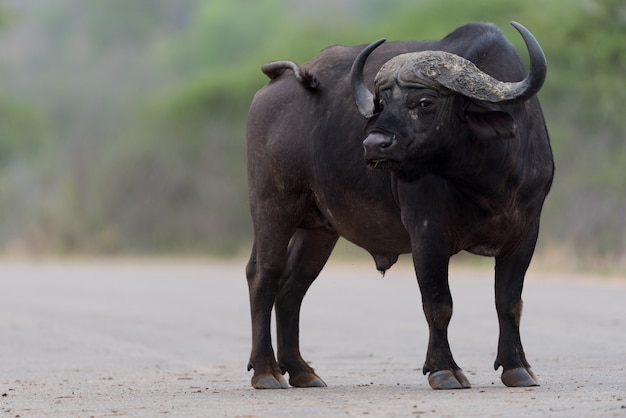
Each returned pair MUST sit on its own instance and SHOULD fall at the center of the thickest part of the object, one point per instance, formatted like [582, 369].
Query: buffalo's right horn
[363, 97]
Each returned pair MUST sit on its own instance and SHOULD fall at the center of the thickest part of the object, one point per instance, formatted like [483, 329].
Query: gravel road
[94, 339]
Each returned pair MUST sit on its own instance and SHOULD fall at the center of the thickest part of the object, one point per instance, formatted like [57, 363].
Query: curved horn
[437, 69]
[362, 96]
[481, 86]
[538, 66]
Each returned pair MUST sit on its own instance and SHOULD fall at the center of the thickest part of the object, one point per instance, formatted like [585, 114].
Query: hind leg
[262, 286]
[308, 252]
[275, 222]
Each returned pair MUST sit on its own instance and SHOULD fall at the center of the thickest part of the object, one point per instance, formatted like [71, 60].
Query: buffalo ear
[491, 124]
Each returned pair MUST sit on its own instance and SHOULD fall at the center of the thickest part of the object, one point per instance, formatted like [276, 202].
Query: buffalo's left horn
[538, 66]
[363, 97]
[503, 92]
[436, 69]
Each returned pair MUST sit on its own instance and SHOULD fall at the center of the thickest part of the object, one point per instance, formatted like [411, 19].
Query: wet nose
[377, 142]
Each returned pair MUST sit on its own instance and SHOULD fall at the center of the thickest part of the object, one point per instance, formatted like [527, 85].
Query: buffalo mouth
[381, 163]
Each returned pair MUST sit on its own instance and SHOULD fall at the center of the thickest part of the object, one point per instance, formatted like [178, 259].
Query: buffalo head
[424, 101]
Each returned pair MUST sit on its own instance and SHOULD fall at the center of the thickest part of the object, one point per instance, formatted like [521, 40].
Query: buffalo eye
[420, 101]
[425, 103]
[379, 105]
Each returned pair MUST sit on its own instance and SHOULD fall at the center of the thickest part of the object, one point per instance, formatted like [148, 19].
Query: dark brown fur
[462, 176]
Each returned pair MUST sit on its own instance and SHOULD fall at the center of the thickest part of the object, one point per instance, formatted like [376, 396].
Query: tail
[275, 68]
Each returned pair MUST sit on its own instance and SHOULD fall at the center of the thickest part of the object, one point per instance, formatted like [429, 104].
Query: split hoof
[519, 377]
[447, 379]
[307, 380]
[269, 381]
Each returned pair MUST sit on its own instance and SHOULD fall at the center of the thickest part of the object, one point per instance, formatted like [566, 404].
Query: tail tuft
[276, 68]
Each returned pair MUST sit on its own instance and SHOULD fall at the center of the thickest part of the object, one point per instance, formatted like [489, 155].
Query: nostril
[376, 141]
[388, 142]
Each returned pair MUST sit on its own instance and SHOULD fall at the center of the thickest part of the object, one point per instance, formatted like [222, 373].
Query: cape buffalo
[428, 148]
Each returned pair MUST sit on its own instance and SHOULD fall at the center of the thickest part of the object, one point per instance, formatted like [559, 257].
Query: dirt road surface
[97, 339]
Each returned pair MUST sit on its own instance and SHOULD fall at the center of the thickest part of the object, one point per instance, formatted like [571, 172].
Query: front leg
[431, 258]
[511, 268]
[428, 225]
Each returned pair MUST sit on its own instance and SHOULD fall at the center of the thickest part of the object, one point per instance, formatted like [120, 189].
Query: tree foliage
[133, 138]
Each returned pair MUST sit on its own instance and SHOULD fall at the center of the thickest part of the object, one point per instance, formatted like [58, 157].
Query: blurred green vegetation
[123, 122]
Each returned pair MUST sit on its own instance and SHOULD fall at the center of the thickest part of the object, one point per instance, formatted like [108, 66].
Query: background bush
[122, 123]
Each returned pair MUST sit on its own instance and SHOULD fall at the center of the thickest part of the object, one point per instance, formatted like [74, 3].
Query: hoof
[447, 379]
[307, 380]
[269, 381]
[519, 377]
